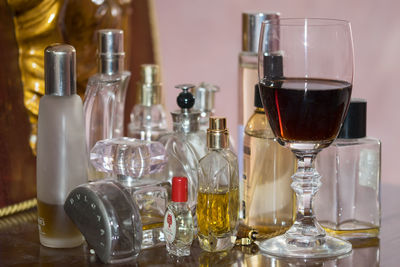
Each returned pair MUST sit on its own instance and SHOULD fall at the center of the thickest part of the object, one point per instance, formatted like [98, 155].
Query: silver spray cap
[111, 51]
[59, 70]
[251, 26]
[205, 97]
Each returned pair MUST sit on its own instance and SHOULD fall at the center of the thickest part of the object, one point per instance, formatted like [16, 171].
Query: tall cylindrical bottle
[61, 151]
[251, 25]
[218, 196]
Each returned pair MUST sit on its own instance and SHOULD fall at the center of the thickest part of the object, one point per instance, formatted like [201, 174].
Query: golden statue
[27, 27]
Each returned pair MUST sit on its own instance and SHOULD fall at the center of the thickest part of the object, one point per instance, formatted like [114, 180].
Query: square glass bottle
[348, 204]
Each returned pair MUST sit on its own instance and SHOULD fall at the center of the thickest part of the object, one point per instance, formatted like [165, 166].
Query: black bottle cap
[355, 123]
[185, 99]
[257, 97]
[273, 68]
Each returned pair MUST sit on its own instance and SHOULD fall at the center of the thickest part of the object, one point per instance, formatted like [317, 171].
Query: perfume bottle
[61, 150]
[105, 94]
[248, 72]
[148, 117]
[348, 205]
[186, 145]
[205, 99]
[218, 197]
[267, 201]
[107, 216]
[133, 163]
[178, 221]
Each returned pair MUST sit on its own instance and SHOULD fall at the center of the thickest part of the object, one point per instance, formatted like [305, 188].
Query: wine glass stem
[306, 231]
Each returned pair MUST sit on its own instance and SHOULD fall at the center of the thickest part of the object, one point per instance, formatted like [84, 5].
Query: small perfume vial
[178, 221]
[348, 204]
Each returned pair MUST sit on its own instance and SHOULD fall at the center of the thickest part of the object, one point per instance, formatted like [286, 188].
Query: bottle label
[368, 169]
[169, 226]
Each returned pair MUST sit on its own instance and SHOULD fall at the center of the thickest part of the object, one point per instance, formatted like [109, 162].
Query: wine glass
[305, 84]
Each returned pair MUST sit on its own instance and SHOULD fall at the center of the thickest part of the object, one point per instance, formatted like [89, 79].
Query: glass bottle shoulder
[258, 126]
[106, 79]
[219, 158]
[366, 141]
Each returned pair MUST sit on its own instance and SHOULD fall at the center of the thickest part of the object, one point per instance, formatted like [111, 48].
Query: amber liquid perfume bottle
[348, 205]
[218, 195]
[268, 200]
[61, 150]
[248, 77]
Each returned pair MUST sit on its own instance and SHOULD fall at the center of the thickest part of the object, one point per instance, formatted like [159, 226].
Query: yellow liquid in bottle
[217, 213]
[55, 227]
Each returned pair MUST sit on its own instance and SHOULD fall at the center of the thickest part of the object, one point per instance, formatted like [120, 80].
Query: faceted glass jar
[134, 163]
[267, 199]
[349, 202]
[147, 122]
[218, 200]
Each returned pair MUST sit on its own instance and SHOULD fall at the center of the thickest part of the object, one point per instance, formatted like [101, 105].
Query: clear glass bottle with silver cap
[134, 163]
[186, 145]
[218, 194]
[105, 94]
[248, 70]
[61, 150]
[204, 94]
[348, 205]
[148, 120]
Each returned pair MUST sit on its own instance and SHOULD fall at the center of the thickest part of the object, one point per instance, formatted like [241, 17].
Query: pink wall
[200, 41]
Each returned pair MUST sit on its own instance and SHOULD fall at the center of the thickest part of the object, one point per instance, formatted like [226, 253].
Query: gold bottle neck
[217, 139]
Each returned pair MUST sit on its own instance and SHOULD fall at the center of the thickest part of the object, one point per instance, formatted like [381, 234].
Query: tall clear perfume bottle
[186, 145]
[61, 150]
[148, 117]
[248, 72]
[348, 205]
[178, 221]
[268, 199]
[134, 163]
[205, 100]
[105, 94]
[218, 196]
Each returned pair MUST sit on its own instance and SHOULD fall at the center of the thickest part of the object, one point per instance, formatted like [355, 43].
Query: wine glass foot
[326, 247]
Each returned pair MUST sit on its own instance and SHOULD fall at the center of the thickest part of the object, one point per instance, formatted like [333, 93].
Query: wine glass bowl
[305, 86]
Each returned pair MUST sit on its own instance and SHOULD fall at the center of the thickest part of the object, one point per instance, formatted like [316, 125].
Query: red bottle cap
[179, 189]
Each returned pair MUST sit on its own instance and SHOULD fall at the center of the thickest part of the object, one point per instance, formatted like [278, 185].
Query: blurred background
[201, 40]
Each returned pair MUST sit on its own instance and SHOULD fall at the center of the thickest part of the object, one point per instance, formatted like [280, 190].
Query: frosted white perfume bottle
[61, 151]
[348, 205]
[248, 72]
[105, 94]
[186, 145]
[148, 120]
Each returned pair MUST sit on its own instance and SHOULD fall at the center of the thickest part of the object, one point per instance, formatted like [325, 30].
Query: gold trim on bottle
[217, 133]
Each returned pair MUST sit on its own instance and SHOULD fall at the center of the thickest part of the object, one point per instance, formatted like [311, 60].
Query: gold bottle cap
[217, 133]
[149, 85]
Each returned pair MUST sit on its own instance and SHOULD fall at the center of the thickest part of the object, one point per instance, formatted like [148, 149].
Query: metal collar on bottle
[217, 133]
[60, 69]
[111, 51]
[149, 85]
